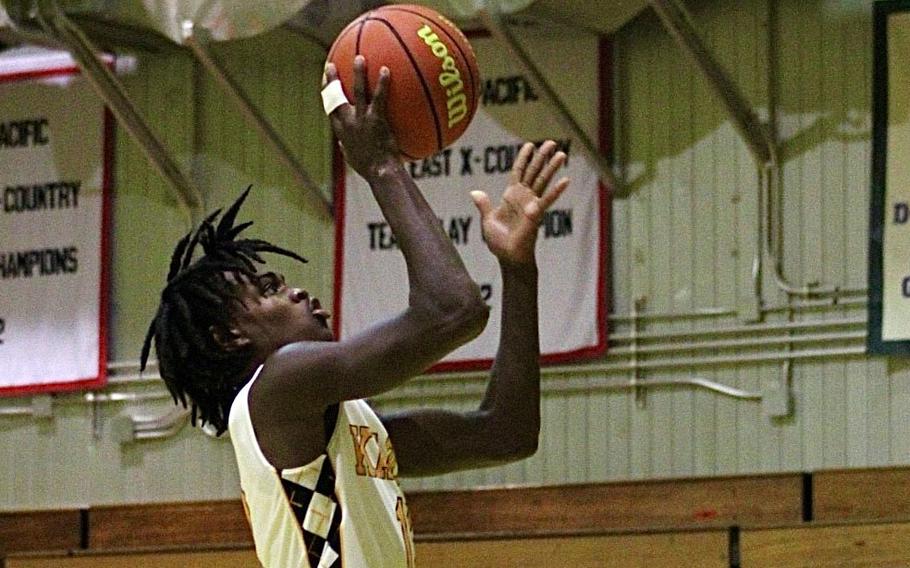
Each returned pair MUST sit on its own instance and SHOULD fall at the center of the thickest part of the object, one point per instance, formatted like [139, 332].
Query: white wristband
[333, 96]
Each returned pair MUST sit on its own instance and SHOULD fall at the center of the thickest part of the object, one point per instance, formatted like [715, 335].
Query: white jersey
[343, 509]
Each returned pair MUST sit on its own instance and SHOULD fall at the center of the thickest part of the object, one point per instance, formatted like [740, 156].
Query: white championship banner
[54, 177]
[371, 279]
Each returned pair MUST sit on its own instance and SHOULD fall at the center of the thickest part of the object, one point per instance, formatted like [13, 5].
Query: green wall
[683, 245]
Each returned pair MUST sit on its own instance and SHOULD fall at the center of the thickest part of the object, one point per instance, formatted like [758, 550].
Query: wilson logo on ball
[449, 78]
[433, 92]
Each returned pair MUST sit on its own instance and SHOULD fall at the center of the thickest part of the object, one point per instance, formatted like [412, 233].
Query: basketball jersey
[343, 509]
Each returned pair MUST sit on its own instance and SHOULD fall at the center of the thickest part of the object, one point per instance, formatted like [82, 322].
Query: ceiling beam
[197, 40]
[495, 24]
[678, 24]
[99, 75]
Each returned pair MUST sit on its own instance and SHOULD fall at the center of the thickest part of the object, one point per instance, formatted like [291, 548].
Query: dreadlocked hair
[197, 298]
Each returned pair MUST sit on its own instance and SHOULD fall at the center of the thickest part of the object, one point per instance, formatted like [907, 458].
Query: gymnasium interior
[725, 379]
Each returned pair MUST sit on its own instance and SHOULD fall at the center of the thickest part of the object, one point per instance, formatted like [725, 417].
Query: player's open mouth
[322, 316]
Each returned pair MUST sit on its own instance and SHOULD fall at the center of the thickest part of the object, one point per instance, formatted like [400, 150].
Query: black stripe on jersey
[301, 500]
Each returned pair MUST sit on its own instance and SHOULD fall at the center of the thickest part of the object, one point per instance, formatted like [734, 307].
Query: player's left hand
[363, 128]
[510, 229]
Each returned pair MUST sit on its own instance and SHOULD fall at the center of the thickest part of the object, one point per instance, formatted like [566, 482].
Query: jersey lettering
[404, 518]
[385, 465]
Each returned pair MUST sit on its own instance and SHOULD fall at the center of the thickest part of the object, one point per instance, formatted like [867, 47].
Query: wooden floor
[877, 545]
[685, 550]
[844, 519]
[203, 559]
[682, 550]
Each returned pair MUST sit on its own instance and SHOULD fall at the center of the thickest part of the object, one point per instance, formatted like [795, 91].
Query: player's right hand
[362, 128]
[510, 228]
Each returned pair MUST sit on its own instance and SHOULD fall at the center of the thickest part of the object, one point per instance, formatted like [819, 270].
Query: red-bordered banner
[56, 144]
[370, 274]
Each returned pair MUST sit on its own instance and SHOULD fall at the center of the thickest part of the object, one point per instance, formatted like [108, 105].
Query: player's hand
[510, 228]
[362, 127]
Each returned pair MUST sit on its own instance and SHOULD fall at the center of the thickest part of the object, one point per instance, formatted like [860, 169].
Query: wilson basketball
[434, 77]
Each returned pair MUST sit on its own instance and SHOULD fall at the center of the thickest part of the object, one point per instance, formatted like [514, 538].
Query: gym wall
[684, 235]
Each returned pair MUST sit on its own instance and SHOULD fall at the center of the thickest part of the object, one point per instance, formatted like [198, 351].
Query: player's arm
[506, 425]
[445, 308]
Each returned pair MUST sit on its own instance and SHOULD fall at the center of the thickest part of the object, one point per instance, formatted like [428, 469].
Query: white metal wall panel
[683, 240]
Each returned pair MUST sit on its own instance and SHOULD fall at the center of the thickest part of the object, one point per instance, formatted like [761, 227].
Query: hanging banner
[889, 234]
[55, 146]
[371, 279]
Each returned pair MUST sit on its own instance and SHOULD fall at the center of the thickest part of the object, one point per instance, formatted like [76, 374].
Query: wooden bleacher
[859, 518]
[835, 518]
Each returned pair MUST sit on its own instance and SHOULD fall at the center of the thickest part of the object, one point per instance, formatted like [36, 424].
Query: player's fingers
[381, 95]
[540, 158]
[360, 84]
[329, 74]
[334, 100]
[521, 163]
[552, 194]
[482, 202]
[549, 170]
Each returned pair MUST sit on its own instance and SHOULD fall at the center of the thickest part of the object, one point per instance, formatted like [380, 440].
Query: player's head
[203, 334]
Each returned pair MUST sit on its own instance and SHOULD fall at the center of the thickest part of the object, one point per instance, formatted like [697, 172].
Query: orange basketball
[435, 81]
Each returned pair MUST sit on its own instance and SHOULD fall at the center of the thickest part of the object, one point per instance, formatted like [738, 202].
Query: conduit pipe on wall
[674, 336]
[40, 406]
[740, 343]
[632, 355]
[762, 141]
[771, 227]
[584, 386]
[127, 428]
[126, 372]
[131, 428]
[560, 380]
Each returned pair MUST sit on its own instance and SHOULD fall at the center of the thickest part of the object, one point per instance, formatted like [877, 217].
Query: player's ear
[229, 338]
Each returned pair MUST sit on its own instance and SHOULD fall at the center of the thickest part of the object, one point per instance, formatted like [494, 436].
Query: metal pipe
[163, 422]
[40, 406]
[170, 425]
[126, 396]
[669, 316]
[722, 361]
[771, 187]
[739, 330]
[775, 249]
[587, 368]
[557, 377]
[669, 364]
[126, 372]
[712, 312]
[19, 410]
[738, 344]
[55, 22]
[494, 23]
[698, 382]
[855, 297]
[252, 115]
[474, 391]
[763, 204]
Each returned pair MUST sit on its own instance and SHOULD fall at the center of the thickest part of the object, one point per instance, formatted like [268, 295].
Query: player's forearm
[513, 394]
[436, 272]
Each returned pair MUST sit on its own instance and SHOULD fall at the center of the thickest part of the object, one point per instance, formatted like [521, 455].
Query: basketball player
[318, 467]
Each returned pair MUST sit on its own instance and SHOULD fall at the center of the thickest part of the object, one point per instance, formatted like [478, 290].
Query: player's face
[275, 315]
